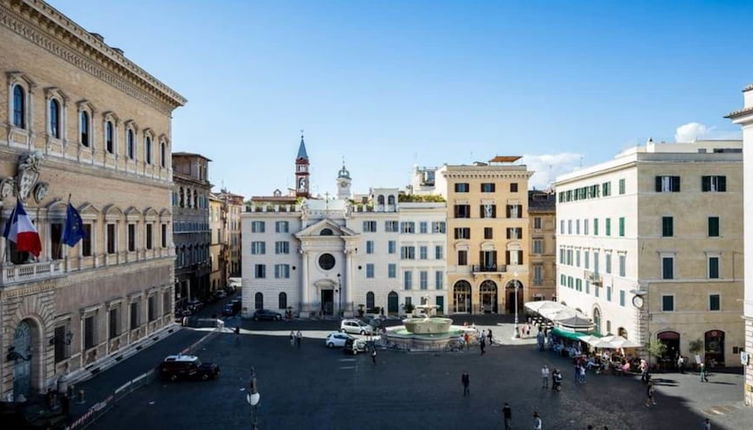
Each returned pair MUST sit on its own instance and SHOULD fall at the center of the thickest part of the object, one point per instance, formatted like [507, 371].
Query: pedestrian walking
[545, 376]
[507, 415]
[706, 424]
[582, 373]
[644, 371]
[298, 339]
[467, 339]
[681, 364]
[556, 380]
[537, 423]
[540, 340]
[489, 336]
[373, 356]
[704, 375]
[292, 338]
[650, 400]
[482, 345]
[466, 380]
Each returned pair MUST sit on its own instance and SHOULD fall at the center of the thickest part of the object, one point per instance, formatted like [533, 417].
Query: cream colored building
[487, 233]
[650, 246]
[99, 129]
[744, 117]
[542, 264]
[217, 244]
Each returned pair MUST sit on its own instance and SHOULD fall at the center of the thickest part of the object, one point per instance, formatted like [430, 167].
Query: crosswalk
[347, 363]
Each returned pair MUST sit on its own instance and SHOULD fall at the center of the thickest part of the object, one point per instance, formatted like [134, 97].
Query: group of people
[295, 338]
[471, 334]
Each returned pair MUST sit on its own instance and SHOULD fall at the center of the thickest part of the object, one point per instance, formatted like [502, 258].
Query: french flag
[20, 230]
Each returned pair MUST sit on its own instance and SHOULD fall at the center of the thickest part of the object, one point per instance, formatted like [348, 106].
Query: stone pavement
[314, 387]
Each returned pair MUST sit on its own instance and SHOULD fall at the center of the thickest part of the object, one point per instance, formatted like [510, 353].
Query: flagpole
[62, 231]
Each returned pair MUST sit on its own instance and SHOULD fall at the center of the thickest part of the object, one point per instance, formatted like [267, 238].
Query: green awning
[572, 335]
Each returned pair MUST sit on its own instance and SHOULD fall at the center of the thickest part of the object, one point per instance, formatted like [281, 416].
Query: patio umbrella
[543, 305]
[577, 321]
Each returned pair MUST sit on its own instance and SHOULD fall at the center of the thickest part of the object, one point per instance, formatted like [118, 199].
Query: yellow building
[78, 119]
[542, 265]
[217, 244]
[487, 234]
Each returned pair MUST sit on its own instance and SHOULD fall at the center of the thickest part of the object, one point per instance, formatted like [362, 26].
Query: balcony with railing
[489, 268]
[31, 272]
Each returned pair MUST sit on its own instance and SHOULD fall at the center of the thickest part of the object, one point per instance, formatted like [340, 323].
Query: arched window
[84, 128]
[258, 301]
[109, 137]
[380, 200]
[326, 232]
[390, 200]
[19, 107]
[369, 301]
[162, 153]
[131, 144]
[282, 301]
[148, 149]
[55, 119]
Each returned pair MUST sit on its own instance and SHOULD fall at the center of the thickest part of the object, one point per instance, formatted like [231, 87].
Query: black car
[187, 367]
[266, 314]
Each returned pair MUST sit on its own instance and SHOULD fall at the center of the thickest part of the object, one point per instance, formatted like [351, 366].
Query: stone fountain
[422, 331]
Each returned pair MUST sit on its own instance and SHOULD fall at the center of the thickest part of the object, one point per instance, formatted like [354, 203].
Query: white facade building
[331, 256]
[649, 246]
[744, 117]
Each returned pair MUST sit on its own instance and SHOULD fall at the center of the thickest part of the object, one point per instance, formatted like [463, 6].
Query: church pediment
[325, 228]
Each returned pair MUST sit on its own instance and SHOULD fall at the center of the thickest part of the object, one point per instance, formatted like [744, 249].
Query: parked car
[266, 314]
[220, 294]
[180, 366]
[336, 339]
[354, 346]
[355, 326]
[229, 310]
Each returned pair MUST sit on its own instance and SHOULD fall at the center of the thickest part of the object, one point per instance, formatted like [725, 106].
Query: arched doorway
[714, 341]
[282, 301]
[258, 301]
[462, 297]
[510, 295]
[597, 320]
[24, 354]
[369, 301]
[488, 296]
[671, 339]
[393, 305]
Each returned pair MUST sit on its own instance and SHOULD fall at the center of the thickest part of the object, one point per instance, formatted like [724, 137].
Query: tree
[656, 349]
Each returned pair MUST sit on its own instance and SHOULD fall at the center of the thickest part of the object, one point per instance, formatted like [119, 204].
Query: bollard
[81, 398]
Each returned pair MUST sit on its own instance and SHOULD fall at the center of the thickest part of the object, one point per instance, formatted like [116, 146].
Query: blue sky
[390, 84]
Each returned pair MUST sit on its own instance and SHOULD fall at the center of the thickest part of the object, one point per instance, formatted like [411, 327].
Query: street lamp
[253, 397]
[340, 296]
[515, 327]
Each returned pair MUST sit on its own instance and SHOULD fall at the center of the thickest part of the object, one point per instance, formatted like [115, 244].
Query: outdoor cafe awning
[612, 342]
[572, 335]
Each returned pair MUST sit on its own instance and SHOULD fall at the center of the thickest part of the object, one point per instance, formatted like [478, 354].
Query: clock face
[343, 185]
[638, 301]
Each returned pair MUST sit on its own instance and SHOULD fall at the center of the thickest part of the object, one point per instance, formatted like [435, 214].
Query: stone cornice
[524, 174]
[41, 24]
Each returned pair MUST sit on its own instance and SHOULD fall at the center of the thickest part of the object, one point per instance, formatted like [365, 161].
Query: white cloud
[548, 166]
[691, 131]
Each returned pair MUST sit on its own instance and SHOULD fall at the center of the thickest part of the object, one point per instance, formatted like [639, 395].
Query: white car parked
[336, 339]
[356, 327]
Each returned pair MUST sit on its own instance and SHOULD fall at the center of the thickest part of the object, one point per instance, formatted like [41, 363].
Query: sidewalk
[104, 384]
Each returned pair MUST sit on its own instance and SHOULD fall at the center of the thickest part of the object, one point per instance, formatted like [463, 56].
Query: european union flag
[74, 227]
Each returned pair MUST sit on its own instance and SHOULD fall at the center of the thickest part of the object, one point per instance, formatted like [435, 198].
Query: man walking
[545, 376]
[706, 424]
[373, 356]
[681, 364]
[704, 375]
[489, 335]
[507, 414]
[482, 345]
[298, 338]
[537, 421]
[650, 401]
[466, 380]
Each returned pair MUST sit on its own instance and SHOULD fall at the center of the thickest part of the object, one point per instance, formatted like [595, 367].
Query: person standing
[680, 364]
[650, 401]
[507, 415]
[706, 424]
[704, 376]
[482, 345]
[537, 423]
[545, 376]
[466, 380]
[373, 356]
[582, 371]
[298, 339]
[292, 338]
[467, 339]
[489, 336]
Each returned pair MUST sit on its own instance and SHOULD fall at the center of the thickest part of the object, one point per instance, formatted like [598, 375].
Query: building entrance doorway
[393, 305]
[328, 302]
[488, 297]
[461, 297]
[23, 359]
[671, 340]
[510, 295]
[714, 341]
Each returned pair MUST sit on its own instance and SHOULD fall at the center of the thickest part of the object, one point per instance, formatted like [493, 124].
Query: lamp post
[515, 327]
[340, 295]
[253, 397]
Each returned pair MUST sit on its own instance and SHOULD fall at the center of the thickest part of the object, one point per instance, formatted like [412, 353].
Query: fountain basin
[427, 325]
[401, 338]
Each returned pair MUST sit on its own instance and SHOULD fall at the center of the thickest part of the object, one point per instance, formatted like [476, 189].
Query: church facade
[331, 256]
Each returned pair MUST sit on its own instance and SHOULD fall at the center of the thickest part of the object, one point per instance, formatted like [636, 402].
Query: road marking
[346, 359]
[347, 367]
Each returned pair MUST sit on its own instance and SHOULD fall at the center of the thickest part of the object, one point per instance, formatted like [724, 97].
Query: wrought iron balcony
[489, 268]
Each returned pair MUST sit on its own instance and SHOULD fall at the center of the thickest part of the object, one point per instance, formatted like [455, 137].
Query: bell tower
[343, 183]
[302, 171]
